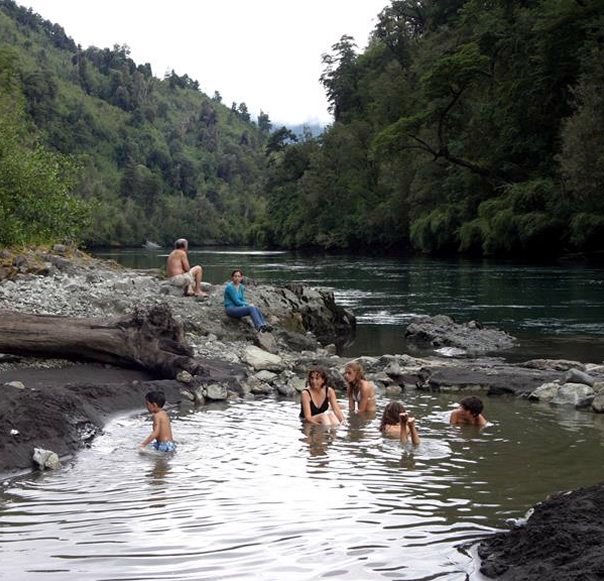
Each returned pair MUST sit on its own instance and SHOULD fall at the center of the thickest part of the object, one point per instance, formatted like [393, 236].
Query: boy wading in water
[161, 436]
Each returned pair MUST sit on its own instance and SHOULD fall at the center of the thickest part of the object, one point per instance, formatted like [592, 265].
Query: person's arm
[482, 421]
[306, 408]
[403, 431]
[365, 395]
[335, 406]
[154, 433]
[454, 417]
[413, 431]
[233, 296]
[184, 260]
[350, 399]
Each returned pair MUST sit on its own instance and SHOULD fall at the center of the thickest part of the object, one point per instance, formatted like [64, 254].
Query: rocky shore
[62, 405]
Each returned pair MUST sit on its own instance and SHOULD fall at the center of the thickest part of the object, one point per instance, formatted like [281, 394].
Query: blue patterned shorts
[164, 446]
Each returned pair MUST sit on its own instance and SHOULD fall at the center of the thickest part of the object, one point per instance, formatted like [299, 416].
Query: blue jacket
[234, 297]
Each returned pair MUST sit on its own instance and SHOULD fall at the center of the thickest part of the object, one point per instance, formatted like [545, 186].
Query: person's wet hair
[156, 397]
[235, 272]
[391, 414]
[356, 368]
[180, 243]
[321, 372]
[473, 404]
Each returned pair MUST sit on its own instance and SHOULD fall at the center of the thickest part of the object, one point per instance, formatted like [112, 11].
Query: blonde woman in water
[361, 393]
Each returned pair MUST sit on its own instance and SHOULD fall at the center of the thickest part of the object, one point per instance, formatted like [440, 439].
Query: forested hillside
[151, 158]
[466, 126]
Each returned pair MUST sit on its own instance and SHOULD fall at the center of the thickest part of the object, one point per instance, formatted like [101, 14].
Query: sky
[265, 53]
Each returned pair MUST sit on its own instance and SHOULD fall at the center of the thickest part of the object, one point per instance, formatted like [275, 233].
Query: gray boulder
[441, 331]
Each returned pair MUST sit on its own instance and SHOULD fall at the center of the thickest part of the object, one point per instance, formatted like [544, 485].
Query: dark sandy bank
[562, 541]
[64, 409]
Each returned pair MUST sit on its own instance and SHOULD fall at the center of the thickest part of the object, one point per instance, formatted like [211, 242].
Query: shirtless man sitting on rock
[180, 272]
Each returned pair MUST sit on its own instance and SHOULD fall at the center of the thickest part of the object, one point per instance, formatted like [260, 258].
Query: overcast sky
[266, 53]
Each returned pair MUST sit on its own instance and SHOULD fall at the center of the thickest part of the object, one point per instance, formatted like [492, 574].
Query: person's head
[181, 244]
[237, 275]
[391, 415]
[317, 374]
[472, 405]
[155, 400]
[353, 373]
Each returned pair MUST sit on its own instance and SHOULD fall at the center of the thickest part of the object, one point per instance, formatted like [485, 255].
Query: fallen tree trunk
[148, 339]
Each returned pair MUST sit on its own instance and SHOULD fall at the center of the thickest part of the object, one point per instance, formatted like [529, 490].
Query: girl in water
[398, 423]
[317, 399]
[361, 393]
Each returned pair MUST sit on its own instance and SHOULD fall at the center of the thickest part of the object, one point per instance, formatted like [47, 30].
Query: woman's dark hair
[321, 372]
[390, 417]
[235, 271]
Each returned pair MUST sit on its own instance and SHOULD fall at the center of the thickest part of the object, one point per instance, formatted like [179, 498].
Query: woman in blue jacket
[236, 306]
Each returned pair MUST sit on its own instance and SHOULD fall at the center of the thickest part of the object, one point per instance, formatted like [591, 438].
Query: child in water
[469, 412]
[317, 399]
[398, 423]
[361, 393]
[161, 436]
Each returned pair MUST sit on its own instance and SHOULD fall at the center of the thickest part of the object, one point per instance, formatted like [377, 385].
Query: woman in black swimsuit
[317, 399]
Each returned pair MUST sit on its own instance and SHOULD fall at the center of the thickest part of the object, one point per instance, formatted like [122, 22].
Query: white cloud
[266, 53]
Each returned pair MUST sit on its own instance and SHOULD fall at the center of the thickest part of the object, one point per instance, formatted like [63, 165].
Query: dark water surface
[251, 494]
[555, 310]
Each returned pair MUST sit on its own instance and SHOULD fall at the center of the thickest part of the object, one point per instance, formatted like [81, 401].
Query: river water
[253, 494]
[554, 310]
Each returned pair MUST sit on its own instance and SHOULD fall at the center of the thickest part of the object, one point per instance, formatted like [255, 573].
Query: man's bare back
[179, 270]
[177, 263]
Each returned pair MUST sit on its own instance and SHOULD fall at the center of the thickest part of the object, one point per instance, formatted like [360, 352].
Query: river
[253, 494]
[554, 310]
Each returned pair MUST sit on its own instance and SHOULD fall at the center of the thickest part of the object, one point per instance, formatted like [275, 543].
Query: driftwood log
[148, 339]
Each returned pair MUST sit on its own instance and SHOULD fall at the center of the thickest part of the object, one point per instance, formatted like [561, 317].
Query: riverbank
[63, 406]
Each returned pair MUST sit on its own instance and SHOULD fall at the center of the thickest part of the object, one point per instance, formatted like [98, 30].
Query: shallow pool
[252, 494]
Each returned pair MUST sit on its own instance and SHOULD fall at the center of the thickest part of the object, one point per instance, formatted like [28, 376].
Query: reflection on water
[253, 493]
[554, 310]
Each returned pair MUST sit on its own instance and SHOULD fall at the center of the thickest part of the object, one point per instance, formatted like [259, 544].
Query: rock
[443, 332]
[15, 384]
[217, 392]
[266, 376]
[184, 377]
[46, 459]
[563, 540]
[575, 376]
[552, 364]
[546, 392]
[597, 405]
[267, 342]
[260, 359]
[393, 391]
[284, 389]
[576, 394]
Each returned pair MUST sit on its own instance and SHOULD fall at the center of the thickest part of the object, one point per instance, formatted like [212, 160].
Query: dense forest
[467, 126]
[144, 158]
